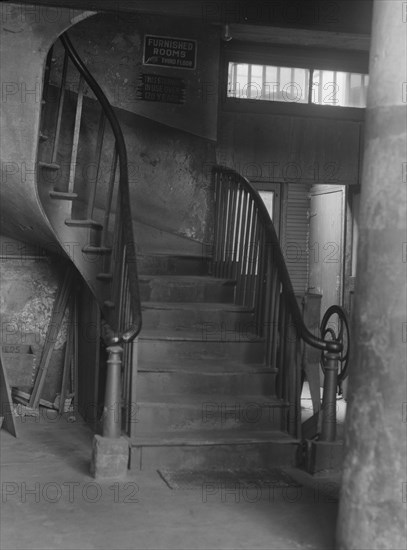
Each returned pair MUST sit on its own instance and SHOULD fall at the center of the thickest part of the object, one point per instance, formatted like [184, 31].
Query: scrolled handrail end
[131, 333]
[334, 346]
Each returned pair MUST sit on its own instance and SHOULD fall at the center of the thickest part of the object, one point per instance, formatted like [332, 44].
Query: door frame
[352, 220]
[276, 188]
[324, 190]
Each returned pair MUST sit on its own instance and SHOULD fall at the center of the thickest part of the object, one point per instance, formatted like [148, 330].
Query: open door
[270, 193]
[326, 259]
[326, 245]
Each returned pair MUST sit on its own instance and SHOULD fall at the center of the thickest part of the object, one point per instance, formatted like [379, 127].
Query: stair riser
[212, 322]
[175, 350]
[94, 237]
[208, 416]
[150, 384]
[178, 291]
[173, 265]
[221, 457]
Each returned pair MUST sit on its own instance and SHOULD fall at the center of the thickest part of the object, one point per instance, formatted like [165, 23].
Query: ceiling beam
[300, 37]
[343, 16]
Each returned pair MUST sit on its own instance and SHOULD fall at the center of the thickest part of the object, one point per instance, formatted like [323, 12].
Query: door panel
[270, 193]
[326, 244]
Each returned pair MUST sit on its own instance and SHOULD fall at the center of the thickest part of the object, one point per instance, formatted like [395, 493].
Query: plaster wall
[112, 47]
[169, 146]
[29, 283]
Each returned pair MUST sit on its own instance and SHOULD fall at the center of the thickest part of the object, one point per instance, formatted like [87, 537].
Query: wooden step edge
[104, 277]
[89, 249]
[180, 438]
[219, 401]
[92, 224]
[193, 279]
[174, 369]
[62, 195]
[198, 306]
[192, 336]
[49, 165]
[175, 255]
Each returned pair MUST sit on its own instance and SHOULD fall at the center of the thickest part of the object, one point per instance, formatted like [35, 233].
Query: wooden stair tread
[214, 437]
[172, 254]
[196, 400]
[63, 195]
[187, 279]
[84, 223]
[203, 366]
[104, 276]
[207, 306]
[196, 336]
[49, 165]
[96, 249]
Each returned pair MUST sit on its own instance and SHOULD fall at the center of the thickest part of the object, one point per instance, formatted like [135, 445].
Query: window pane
[265, 82]
[256, 82]
[291, 85]
[339, 89]
[237, 80]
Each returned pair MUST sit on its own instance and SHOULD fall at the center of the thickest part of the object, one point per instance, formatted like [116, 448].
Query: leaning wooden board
[6, 404]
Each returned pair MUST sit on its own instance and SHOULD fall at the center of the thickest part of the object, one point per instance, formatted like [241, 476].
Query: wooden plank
[61, 99]
[54, 325]
[6, 403]
[75, 143]
[67, 360]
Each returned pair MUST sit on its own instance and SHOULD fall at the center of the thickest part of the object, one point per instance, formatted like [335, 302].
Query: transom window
[297, 85]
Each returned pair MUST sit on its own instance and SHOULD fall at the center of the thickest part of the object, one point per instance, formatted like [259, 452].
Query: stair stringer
[73, 241]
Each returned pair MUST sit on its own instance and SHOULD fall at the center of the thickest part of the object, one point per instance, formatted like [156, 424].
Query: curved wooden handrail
[302, 331]
[247, 250]
[130, 332]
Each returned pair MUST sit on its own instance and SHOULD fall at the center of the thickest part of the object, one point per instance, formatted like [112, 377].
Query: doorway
[270, 194]
[326, 244]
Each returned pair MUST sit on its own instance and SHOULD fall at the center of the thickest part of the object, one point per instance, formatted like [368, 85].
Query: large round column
[372, 512]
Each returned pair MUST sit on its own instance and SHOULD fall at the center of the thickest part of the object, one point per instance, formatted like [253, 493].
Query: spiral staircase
[215, 374]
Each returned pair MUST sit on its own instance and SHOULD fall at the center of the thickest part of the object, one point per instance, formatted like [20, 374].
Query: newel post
[110, 454]
[326, 454]
[328, 409]
[112, 406]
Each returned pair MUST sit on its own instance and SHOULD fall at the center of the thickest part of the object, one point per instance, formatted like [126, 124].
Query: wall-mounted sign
[164, 89]
[164, 51]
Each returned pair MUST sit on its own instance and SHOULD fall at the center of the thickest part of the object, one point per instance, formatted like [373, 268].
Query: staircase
[205, 398]
[214, 378]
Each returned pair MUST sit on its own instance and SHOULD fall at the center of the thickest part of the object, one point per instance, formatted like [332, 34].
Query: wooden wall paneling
[296, 242]
[290, 149]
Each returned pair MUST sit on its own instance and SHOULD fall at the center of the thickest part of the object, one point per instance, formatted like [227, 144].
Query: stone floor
[49, 501]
